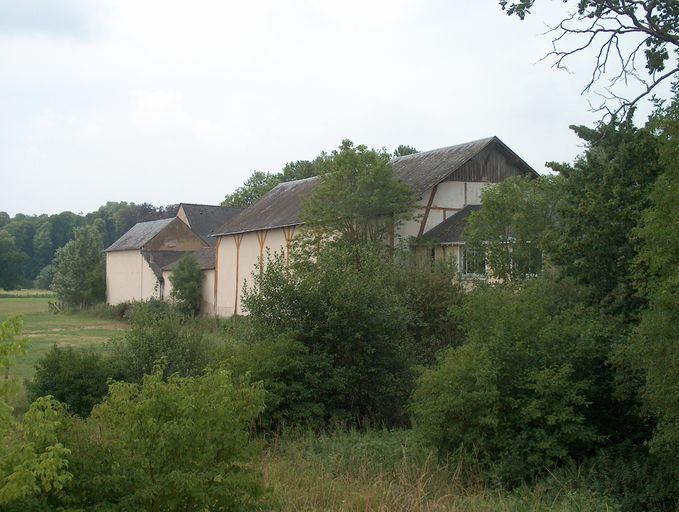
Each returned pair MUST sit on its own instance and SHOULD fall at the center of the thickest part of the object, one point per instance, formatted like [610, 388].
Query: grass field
[44, 329]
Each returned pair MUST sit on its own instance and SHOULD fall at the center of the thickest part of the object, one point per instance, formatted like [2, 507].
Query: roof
[159, 259]
[205, 259]
[279, 208]
[451, 230]
[139, 235]
[204, 218]
[424, 170]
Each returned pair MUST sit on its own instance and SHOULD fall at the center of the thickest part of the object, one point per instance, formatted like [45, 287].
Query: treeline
[28, 243]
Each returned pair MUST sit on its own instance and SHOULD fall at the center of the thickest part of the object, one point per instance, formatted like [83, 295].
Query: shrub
[532, 387]
[297, 382]
[343, 308]
[187, 282]
[77, 378]
[157, 332]
[180, 444]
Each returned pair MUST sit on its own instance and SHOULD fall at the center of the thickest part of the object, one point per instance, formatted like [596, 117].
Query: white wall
[129, 277]
[230, 286]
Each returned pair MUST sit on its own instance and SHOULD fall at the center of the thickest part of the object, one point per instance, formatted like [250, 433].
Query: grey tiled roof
[280, 207]
[451, 230]
[204, 219]
[424, 170]
[139, 235]
[158, 259]
[205, 259]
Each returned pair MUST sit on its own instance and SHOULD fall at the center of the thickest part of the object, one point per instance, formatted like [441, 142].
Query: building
[448, 182]
[138, 264]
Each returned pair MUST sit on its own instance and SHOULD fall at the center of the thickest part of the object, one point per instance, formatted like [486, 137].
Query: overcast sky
[167, 101]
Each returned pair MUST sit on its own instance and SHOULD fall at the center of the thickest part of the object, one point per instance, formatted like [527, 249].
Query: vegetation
[187, 283]
[28, 243]
[79, 271]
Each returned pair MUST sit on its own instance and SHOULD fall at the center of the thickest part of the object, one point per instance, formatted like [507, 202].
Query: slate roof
[451, 230]
[159, 259]
[204, 219]
[139, 235]
[279, 208]
[424, 170]
[205, 259]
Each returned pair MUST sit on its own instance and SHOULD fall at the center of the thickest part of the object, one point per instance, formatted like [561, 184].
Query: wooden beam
[238, 238]
[426, 211]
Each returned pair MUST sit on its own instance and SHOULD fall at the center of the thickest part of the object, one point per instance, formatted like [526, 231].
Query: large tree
[620, 33]
[359, 199]
[11, 262]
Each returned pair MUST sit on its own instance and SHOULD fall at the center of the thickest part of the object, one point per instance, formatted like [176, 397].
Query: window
[473, 262]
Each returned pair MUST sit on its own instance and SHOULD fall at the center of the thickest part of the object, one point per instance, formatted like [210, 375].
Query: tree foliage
[621, 33]
[79, 273]
[11, 262]
[530, 389]
[33, 461]
[359, 199]
[601, 199]
[187, 285]
[512, 227]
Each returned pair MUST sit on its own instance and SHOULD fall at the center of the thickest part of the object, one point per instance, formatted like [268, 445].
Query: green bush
[296, 381]
[531, 389]
[77, 378]
[158, 332]
[187, 283]
[175, 444]
[343, 308]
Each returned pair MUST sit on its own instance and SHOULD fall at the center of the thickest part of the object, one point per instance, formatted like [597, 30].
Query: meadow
[45, 329]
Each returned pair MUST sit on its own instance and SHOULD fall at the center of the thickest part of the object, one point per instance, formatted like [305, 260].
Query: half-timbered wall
[237, 258]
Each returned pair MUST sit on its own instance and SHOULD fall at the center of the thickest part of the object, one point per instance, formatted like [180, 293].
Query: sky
[168, 101]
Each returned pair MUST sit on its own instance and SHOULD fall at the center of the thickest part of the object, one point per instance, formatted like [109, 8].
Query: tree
[618, 31]
[359, 199]
[258, 184]
[11, 262]
[656, 344]
[601, 198]
[187, 285]
[403, 150]
[512, 227]
[79, 274]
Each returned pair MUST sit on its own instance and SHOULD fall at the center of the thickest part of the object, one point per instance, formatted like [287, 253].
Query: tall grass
[391, 471]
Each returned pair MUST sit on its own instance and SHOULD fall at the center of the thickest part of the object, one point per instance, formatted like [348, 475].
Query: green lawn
[44, 329]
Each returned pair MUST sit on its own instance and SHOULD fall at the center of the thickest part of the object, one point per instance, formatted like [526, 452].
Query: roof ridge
[420, 153]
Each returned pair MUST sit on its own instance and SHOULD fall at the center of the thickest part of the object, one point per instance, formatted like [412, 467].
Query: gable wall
[129, 277]
[177, 236]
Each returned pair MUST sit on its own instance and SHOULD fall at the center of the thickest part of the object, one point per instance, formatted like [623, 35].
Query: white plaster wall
[229, 289]
[207, 300]
[129, 277]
